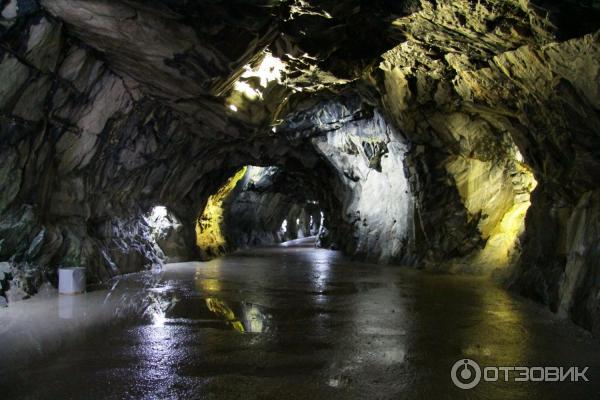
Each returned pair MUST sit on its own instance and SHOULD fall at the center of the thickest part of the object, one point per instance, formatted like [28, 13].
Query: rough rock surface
[457, 135]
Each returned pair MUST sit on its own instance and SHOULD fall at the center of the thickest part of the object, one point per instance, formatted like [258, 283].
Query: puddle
[213, 312]
[327, 333]
[241, 316]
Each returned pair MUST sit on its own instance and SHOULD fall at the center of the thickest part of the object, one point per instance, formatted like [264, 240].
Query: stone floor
[282, 323]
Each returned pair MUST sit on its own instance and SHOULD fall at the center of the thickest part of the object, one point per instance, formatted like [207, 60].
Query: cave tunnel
[299, 198]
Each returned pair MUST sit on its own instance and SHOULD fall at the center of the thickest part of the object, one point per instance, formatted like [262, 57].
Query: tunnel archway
[425, 145]
[158, 152]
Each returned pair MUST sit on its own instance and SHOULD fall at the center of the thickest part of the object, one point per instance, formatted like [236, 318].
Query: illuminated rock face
[370, 203]
[167, 232]
[454, 135]
[210, 237]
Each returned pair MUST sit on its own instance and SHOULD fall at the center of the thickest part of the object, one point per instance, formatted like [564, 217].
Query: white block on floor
[66, 306]
[71, 280]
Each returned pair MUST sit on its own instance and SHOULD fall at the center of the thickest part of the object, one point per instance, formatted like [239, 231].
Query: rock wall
[85, 153]
[456, 135]
[491, 95]
[58, 102]
[369, 202]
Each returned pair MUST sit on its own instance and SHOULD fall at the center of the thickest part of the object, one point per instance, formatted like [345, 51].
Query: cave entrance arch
[259, 206]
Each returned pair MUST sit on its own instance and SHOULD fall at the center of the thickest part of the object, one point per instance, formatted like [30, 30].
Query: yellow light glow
[270, 69]
[209, 236]
[208, 285]
[220, 308]
[500, 247]
[247, 90]
[487, 189]
[499, 316]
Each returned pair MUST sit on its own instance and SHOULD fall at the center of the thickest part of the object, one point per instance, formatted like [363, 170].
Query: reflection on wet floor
[293, 322]
[249, 318]
[166, 307]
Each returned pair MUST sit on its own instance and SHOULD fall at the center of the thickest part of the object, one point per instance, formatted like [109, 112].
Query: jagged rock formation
[458, 135]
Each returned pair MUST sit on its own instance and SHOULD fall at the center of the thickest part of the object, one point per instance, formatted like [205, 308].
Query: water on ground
[287, 322]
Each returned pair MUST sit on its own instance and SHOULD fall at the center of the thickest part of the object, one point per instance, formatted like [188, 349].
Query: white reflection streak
[255, 319]
[157, 354]
[158, 319]
[321, 266]
[156, 310]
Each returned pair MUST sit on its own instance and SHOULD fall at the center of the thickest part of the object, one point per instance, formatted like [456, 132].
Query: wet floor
[285, 322]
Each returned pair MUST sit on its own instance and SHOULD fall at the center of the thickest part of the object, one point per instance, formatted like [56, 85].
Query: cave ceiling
[455, 116]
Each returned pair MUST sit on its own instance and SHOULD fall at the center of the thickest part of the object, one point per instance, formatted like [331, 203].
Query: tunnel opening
[166, 231]
[458, 137]
[258, 206]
